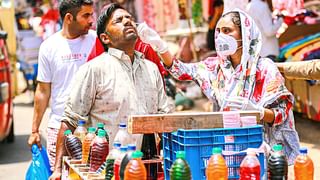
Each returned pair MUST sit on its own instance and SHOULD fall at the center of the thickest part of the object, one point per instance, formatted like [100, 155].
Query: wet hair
[72, 7]
[104, 19]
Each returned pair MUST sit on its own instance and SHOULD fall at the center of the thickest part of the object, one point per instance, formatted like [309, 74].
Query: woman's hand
[241, 103]
[150, 36]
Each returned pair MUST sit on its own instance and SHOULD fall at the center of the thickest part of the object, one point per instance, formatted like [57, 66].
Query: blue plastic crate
[198, 145]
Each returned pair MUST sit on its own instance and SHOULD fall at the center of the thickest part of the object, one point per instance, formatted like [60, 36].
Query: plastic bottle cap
[123, 148]
[216, 150]
[91, 129]
[277, 147]
[251, 151]
[122, 125]
[137, 154]
[67, 132]
[101, 133]
[81, 122]
[180, 154]
[303, 150]
[100, 125]
[132, 147]
[116, 144]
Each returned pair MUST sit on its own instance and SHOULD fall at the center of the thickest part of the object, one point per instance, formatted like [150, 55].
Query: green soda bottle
[180, 169]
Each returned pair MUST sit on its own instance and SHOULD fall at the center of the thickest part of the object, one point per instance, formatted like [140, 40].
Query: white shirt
[261, 14]
[109, 88]
[59, 59]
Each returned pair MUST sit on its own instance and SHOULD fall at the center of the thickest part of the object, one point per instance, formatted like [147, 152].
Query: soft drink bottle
[100, 125]
[126, 159]
[80, 131]
[217, 168]
[250, 167]
[99, 151]
[135, 170]
[123, 136]
[86, 144]
[303, 166]
[73, 145]
[114, 153]
[117, 162]
[277, 164]
[180, 169]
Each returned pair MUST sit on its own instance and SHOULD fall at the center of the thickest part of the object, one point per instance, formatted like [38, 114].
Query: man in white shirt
[114, 85]
[260, 12]
[60, 57]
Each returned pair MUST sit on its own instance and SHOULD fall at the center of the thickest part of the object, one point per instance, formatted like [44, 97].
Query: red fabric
[96, 50]
[140, 46]
[51, 15]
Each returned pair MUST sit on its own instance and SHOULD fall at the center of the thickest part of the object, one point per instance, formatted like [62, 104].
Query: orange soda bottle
[135, 169]
[217, 168]
[250, 167]
[303, 166]
[86, 145]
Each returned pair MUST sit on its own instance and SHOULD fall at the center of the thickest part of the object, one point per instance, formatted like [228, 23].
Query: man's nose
[127, 21]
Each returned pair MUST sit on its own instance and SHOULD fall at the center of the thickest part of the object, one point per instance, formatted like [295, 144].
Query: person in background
[239, 78]
[118, 83]
[301, 70]
[261, 14]
[215, 13]
[60, 57]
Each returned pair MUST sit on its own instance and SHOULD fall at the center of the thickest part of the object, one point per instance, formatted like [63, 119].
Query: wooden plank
[158, 123]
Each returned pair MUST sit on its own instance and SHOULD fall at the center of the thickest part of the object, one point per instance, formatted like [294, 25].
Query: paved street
[15, 158]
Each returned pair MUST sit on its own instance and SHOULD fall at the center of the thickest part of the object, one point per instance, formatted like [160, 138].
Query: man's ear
[105, 38]
[68, 18]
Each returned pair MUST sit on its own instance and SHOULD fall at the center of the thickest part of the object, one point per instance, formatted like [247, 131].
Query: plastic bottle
[149, 151]
[99, 151]
[217, 168]
[135, 170]
[303, 166]
[277, 164]
[123, 136]
[73, 145]
[180, 169]
[250, 167]
[80, 131]
[117, 162]
[100, 125]
[86, 144]
[114, 153]
[126, 159]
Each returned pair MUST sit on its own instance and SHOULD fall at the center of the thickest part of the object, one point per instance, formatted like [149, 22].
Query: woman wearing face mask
[238, 78]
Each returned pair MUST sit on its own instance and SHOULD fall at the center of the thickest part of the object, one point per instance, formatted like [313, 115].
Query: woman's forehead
[225, 22]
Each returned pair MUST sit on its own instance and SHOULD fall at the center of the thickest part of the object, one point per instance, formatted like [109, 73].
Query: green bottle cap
[92, 129]
[137, 154]
[277, 147]
[101, 133]
[216, 150]
[181, 154]
[100, 125]
[67, 132]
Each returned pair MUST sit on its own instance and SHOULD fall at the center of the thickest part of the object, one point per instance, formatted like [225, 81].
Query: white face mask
[226, 45]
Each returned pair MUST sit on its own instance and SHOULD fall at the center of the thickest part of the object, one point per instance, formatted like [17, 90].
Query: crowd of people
[124, 75]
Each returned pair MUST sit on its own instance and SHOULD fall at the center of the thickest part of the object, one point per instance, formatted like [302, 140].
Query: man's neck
[67, 33]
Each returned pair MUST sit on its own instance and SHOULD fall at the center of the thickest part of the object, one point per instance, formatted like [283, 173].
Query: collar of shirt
[125, 59]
